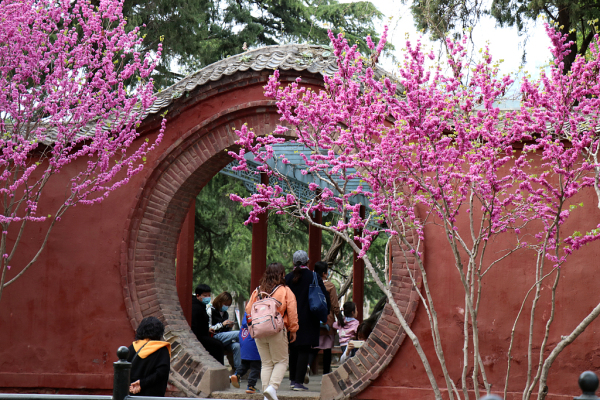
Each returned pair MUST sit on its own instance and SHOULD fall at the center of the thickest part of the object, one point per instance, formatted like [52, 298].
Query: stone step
[284, 392]
[281, 395]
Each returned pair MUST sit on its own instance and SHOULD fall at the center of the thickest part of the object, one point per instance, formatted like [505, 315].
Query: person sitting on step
[220, 325]
[200, 323]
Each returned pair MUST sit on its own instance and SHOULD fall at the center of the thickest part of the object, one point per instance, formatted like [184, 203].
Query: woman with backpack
[299, 281]
[273, 349]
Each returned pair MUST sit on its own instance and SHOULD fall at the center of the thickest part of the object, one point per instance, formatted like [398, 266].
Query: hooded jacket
[151, 366]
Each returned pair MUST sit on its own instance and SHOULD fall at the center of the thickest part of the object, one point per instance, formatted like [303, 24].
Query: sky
[505, 43]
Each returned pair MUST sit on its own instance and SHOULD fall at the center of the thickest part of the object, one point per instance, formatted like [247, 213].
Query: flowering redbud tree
[66, 69]
[434, 151]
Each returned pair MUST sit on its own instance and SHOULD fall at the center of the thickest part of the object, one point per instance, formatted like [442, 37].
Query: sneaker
[252, 390]
[235, 381]
[270, 393]
[307, 376]
[292, 384]
[300, 388]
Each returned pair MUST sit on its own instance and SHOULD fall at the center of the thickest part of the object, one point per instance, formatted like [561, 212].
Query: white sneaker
[270, 393]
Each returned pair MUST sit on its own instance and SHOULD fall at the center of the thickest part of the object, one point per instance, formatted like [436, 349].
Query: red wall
[503, 291]
[61, 323]
[63, 320]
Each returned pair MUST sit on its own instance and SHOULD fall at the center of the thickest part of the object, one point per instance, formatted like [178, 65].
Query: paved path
[284, 392]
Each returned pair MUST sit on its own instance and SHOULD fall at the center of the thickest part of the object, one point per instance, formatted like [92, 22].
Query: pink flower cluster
[441, 144]
[73, 85]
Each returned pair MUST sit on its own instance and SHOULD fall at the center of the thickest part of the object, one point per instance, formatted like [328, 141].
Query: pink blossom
[449, 145]
[69, 91]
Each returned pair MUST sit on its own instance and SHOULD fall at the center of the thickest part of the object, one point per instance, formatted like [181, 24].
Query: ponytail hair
[297, 274]
[340, 320]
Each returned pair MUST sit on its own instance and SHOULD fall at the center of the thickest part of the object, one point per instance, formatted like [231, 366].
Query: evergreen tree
[223, 244]
[196, 33]
[575, 18]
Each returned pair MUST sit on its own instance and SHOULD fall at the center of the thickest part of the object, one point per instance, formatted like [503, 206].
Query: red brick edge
[355, 374]
[149, 247]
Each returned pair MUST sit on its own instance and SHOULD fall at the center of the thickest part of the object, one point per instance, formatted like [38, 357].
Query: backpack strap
[273, 291]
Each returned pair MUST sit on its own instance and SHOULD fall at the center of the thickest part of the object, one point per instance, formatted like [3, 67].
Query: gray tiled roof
[315, 59]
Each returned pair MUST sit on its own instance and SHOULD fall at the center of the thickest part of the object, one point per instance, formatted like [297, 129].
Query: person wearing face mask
[200, 322]
[219, 324]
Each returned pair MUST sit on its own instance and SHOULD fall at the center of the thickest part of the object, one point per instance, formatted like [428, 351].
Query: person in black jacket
[150, 359]
[200, 323]
[220, 325]
[308, 335]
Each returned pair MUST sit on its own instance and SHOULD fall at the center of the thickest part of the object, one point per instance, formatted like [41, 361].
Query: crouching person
[150, 359]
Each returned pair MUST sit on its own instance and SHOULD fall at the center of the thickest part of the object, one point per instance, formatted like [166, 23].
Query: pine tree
[575, 18]
[196, 33]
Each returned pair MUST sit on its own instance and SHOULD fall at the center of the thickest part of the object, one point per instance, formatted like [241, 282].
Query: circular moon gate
[150, 247]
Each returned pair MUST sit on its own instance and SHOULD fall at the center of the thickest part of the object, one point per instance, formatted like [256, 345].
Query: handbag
[316, 300]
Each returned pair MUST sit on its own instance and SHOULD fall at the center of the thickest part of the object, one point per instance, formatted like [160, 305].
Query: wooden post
[358, 277]
[185, 262]
[259, 245]
[314, 240]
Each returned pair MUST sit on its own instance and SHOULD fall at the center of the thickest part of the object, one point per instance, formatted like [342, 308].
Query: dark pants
[299, 362]
[326, 359]
[254, 367]
[214, 347]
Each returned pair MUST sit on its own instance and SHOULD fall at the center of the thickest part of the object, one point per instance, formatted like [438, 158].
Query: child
[250, 360]
[363, 332]
[348, 327]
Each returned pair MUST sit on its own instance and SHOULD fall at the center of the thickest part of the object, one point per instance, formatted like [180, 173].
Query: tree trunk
[564, 21]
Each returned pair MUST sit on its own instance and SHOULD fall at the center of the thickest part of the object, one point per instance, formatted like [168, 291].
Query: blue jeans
[230, 342]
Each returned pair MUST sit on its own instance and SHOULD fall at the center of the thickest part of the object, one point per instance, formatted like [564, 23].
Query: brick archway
[150, 246]
[148, 263]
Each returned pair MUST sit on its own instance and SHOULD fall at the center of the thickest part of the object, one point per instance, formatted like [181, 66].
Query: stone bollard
[588, 382]
[122, 369]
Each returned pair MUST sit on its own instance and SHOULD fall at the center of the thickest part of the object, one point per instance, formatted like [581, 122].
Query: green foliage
[342, 267]
[199, 32]
[223, 244]
[222, 241]
[574, 18]
[578, 18]
[443, 17]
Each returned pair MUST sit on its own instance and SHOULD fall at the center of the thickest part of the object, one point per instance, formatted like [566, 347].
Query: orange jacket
[288, 306]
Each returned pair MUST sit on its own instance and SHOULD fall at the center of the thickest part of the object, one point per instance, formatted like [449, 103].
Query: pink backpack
[266, 320]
